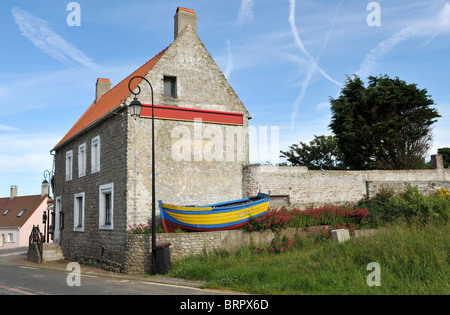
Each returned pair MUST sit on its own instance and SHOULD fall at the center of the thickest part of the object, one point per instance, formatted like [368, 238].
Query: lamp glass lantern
[135, 108]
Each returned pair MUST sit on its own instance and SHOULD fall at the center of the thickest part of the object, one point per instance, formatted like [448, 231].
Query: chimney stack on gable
[102, 86]
[182, 18]
[14, 190]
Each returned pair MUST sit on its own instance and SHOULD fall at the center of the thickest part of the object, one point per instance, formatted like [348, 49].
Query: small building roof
[16, 217]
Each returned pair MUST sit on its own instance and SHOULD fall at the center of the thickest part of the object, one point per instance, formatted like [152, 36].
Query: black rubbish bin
[162, 255]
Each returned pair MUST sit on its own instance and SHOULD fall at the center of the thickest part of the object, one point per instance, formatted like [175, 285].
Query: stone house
[103, 164]
[18, 215]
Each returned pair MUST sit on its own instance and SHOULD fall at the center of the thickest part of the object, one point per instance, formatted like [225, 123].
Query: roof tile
[108, 101]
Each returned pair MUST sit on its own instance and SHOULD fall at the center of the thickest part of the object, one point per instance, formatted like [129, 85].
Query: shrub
[144, 228]
[277, 245]
[329, 215]
[272, 219]
[410, 204]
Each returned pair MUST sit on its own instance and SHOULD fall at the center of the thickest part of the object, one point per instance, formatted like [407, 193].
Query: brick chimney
[102, 86]
[182, 18]
[14, 190]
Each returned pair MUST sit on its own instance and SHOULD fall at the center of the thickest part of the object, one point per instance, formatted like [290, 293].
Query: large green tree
[321, 153]
[386, 125]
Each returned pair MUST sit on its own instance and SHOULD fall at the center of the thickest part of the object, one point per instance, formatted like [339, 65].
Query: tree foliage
[321, 153]
[386, 125]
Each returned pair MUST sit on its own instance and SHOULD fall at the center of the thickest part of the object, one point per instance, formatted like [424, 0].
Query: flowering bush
[144, 228]
[272, 219]
[329, 215]
[277, 245]
[443, 193]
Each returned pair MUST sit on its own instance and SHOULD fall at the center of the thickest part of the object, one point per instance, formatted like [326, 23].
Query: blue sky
[284, 59]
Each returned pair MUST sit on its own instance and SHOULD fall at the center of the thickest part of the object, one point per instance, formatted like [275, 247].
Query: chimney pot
[182, 18]
[14, 190]
[102, 86]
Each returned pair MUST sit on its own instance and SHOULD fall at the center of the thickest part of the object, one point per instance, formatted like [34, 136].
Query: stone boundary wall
[313, 188]
[138, 254]
[185, 244]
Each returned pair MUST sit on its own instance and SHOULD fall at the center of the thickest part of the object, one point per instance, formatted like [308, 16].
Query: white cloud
[434, 26]
[23, 153]
[230, 65]
[314, 62]
[45, 39]
[6, 128]
[245, 12]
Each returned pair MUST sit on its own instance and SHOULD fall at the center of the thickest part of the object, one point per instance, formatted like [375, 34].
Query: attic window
[170, 87]
[6, 212]
[21, 212]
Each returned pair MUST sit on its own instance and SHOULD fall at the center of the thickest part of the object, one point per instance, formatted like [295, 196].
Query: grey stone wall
[186, 244]
[95, 243]
[308, 188]
[192, 180]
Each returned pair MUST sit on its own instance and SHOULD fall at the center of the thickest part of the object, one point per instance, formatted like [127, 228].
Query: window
[78, 212]
[106, 206]
[69, 164]
[82, 160]
[21, 213]
[170, 87]
[58, 219]
[95, 155]
[6, 212]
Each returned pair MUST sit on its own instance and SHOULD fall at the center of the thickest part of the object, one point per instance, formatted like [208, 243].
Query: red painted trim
[192, 114]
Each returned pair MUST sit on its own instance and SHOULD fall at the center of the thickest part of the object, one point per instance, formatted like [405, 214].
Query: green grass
[414, 259]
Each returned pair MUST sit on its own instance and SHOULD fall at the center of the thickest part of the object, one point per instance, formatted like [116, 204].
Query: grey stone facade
[125, 156]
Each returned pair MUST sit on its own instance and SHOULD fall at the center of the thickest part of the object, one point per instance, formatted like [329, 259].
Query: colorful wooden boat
[215, 217]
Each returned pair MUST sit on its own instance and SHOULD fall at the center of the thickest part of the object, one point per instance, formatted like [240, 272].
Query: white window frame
[82, 165]
[102, 192]
[56, 228]
[11, 237]
[95, 154]
[69, 165]
[78, 224]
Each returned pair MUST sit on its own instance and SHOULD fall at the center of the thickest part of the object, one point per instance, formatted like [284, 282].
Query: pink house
[18, 214]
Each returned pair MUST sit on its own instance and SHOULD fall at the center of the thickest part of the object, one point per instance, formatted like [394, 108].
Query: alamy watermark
[74, 17]
[374, 278]
[216, 143]
[374, 17]
[74, 277]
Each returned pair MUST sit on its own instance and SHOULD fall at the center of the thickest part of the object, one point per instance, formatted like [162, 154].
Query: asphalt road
[19, 277]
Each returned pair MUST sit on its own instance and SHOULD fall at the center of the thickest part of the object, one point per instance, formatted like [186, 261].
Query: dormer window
[170, 87]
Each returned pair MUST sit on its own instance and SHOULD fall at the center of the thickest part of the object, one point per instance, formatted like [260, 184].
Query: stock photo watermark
[209, 142]
[74, 17]
[374, 17]
[74, 277]
[374, 278]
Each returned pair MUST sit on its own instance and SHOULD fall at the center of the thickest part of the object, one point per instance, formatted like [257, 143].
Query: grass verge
[413, 259]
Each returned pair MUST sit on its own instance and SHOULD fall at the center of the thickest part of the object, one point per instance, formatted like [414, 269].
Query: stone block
[340, 236]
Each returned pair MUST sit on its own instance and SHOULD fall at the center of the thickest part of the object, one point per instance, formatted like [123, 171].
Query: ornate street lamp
[135, 111]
